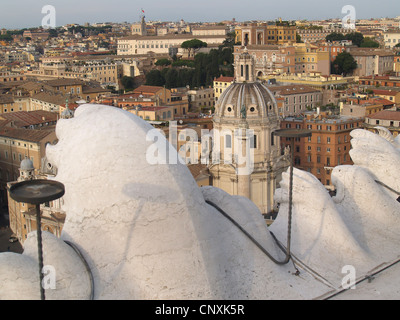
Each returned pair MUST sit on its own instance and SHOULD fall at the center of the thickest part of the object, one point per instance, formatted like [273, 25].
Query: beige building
[296, 98]
[270, 59]
[310, 59]
[210, 31]
[162, 113]
[372, 61]
[137, 44]
[220, 84]
[22, 216]
[201, 98]
[389, 119]
[16, 145]
[391, 38]
[262, 33]
[315, 35]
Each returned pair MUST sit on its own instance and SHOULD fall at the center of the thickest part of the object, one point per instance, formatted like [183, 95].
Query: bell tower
[244, 67]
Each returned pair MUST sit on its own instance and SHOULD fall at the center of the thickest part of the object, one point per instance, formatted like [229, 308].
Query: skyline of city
[26, 14]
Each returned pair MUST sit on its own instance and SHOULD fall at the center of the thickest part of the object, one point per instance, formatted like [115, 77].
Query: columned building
[247, 158]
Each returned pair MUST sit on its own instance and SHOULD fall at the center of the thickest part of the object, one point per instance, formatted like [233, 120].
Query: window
[228, 141]
[253, 142]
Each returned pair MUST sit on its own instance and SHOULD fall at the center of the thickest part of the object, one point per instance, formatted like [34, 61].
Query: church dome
[246, 100]
[26, 164]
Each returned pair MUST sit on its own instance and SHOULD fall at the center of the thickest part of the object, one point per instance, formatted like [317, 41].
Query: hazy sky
[28, 13]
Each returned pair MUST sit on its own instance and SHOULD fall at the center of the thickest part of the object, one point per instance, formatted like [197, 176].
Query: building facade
[137, 44]
[389, 119]
[263, 33]
[328, 146]
[296, 98]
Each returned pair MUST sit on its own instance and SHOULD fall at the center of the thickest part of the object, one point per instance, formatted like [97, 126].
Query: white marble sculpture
[146, 231]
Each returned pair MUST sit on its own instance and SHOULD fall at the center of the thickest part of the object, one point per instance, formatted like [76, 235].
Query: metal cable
[286, 251]
[75, 248]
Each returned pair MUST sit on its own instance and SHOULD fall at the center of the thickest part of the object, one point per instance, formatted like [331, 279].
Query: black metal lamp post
[37, 192]
[292, 134]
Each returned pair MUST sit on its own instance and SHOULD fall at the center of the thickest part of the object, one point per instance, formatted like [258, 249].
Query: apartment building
[212, 30]
[372, 61]
[396, 66]
[391, 38]
[389, 119]
[382, 81]
[391, 95]
[220, 84]
[106, 73]
[263, 33]
[296, 98]
[201, 98]
[314, 35]
[310, 59]
[137, 44]
[334, 48]
[328, 146]
[16, 144]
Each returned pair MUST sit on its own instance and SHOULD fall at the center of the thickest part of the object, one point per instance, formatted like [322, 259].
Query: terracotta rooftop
[147, 89]
[64, 82]
[293, 89]
[27, 118]
[386, 92]
[25, 134]
[225, 79]
[386, 115]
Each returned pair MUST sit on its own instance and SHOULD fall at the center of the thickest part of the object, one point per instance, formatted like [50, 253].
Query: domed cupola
[246, 98]
[246, 153]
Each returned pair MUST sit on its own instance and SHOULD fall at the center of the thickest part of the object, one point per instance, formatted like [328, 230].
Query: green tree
[193, 45]
[334, 36]
[298, 38]
[344, 63]
[369, 43]
[127, 82]
[163, 62]
[171, 78]
[155, 78]
[356, 37]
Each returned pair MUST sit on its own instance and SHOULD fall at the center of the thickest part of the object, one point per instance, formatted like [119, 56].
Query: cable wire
[286, 251]
[75, 248]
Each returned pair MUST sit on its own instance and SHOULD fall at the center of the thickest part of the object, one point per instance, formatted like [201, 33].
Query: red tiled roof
[386, 92]
[152, 108]
[225, 79]
[27, 118]
[386, 115]
[25, 134]
[147, 89]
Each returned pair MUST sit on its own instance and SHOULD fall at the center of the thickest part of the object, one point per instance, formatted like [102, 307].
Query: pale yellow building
[220, 84]
[262, 33]
[18, 144]
[396, 65]
[309, 59]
